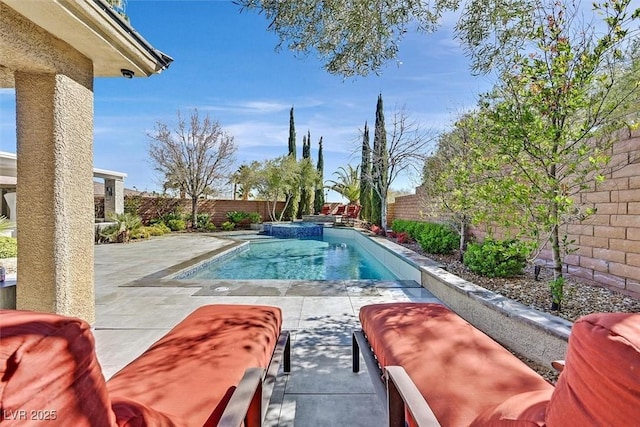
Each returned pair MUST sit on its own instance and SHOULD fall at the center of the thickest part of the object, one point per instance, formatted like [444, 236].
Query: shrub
[162, 226]
[5, 224]
[172, 216]
[202, 221]
[236, 217]
[176, 224]
[126, 225]
[375, 229]
[228, 226]
[141, 233]
[254, 218]
[402, 237]
[157, 230]
[8, 247]
[436, 238]
[403, 226]
[497, 258]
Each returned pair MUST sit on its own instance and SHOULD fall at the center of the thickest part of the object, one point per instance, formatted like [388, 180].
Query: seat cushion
[600, 384]
[461, 372]
[189, 374]
[49, 373]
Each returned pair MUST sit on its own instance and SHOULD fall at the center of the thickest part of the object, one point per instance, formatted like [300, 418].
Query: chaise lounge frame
[250, 400]
[393, 386]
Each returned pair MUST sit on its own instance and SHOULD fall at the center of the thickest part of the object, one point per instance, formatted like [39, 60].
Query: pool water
[297, 259]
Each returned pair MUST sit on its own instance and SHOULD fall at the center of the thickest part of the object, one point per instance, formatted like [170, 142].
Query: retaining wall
[608, 242]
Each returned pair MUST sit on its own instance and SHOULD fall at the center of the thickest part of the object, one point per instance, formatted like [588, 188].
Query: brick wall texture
[609, 241]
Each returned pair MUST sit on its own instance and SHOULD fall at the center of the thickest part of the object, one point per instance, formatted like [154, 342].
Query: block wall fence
[153, 207]
[608, 242]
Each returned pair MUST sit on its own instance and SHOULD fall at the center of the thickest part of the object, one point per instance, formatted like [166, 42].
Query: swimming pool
[326, 258]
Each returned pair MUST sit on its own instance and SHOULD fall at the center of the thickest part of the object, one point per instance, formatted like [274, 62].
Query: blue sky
[225, 64]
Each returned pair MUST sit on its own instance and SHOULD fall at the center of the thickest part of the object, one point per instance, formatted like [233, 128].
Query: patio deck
[320, 391]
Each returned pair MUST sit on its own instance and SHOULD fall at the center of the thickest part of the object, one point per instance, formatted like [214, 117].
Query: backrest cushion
[49, 372]
[600, 384]
[189, 373]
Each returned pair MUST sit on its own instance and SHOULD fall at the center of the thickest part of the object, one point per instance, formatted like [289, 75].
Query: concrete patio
[320, 391]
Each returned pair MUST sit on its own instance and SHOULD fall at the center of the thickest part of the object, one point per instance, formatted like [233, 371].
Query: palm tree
[347, 183]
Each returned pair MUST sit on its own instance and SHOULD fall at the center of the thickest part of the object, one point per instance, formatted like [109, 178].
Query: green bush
[156, 230]
[162, 226]
[436, 238]
[8, 247]
[172, 216]
[202, 221]
[254, 218]
[228, 226]
[237, 217]
[126, 226]
[403, 226]
[141, 233]
[497, 258]
[176, 224]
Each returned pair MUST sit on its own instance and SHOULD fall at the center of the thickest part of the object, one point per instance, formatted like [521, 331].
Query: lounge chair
[433, 368]
[215, 368]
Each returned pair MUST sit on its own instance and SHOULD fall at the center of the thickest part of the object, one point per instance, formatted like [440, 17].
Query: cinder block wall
[153, 207]
[609, 241]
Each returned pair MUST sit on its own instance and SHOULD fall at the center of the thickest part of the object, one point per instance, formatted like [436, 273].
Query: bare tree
[196, 156]
[407, 148]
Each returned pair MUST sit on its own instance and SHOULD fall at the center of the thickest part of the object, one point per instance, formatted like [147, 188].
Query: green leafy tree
[554, 114]
[450, 177]
[278, 177]
[198, 154]
[347, 183]
[276, 180]
[318, 200]
[365, 171]
[350, 37]
[245, 179]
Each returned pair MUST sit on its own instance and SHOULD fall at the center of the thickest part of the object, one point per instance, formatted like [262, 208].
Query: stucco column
[113, 196]
[55, 214]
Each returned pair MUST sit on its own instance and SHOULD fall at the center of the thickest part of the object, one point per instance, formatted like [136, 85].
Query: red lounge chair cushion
[187, 374]
[462, 373]
[49, 373]
[600, 384]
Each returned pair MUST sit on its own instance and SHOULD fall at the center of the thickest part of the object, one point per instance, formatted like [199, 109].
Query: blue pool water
[296, 259]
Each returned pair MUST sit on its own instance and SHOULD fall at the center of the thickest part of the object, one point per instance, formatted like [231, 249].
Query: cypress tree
[292, 135]
[318, 200]
[365, 176]
[306, 147]
[294, 196]
[304, 208]
[378, 164]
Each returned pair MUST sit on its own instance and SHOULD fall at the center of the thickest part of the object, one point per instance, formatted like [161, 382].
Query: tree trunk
[463, 237]
[194, 212]
[383, 214]
[557, 288]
